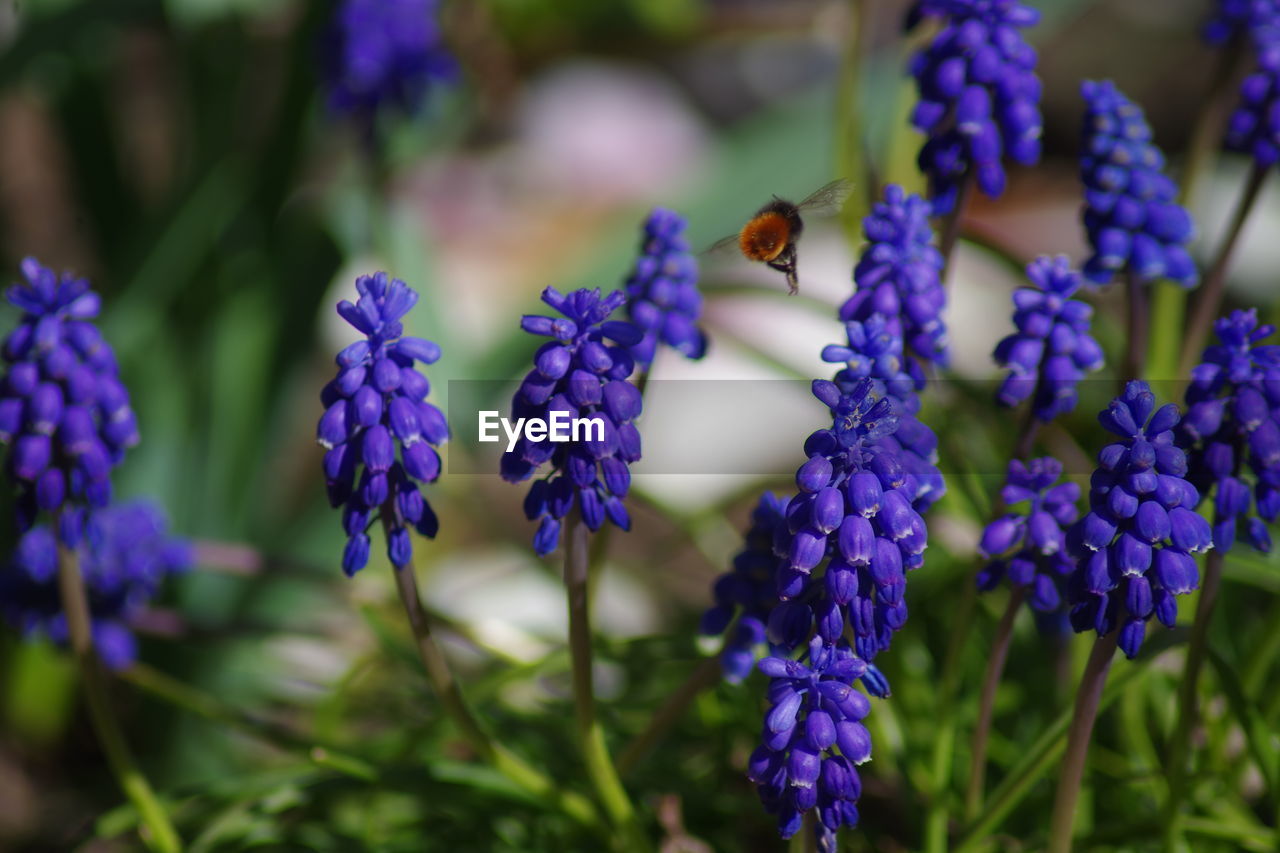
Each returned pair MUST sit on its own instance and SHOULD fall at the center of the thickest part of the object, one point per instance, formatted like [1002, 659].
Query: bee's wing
[725, 242]
[828, 199]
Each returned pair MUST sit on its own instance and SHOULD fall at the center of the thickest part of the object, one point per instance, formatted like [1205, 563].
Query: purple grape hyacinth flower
[662, 291]
[1134, 547]
[813, 740]
[1232, 429]
[64, 413]
[125, 554]
[1254, 128]
[374, 406]
[899, 275]
[380, 55]
[1052, 349]
[747, 591]
[979, 96]
[1029, 547]
[873, 351]
[1131, 214]
[851, 533]
[1259, 20]
[579, 375]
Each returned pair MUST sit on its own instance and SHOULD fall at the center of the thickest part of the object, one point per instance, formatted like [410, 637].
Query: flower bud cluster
[1052, 348]
[1131, 214]
[375, 406]
[582, 371]
[1029, 546]
[979, 96]
[662, 291]
[1135, 546]
[64, 412]
[1231, 431]
[124, 556]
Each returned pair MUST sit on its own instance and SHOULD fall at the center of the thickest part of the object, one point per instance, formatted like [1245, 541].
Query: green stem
[936, 820]
[703, 676]
[1180, 743]
[1264, 652]
[1135, 361]
[986, 708]
[157, 831]
[850, 142]
[1215, 280]
[1034, 765]
[1168, 301]
[1082, 719]
[600, 769]
[455, 706]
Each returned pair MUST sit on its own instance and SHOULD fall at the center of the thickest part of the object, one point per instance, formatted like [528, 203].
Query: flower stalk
[1078, 737]
[986, 707]
[157, 830]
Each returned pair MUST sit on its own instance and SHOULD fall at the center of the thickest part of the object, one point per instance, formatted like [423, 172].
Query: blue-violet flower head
[662, 291]
[1254, 128]
[1232, 429]
[125, 554]
[374, 406]
[979, 96]
[64, 412]
[1131, 213]
[1052, 349]
[1259, 20]
[1028, 546]
[579, 376]
[1134, 547]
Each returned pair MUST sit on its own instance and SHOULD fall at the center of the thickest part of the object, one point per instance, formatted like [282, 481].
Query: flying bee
[770, 236]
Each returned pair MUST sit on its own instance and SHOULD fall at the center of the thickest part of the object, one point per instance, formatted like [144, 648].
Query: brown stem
[703, 676]
[951, 227]
[986, 708]
[1215, 280]
[1082, 720]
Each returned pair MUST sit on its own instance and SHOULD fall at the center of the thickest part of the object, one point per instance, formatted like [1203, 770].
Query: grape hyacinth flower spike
[1052, 348]
[580, 375]
[851, 532]
[383, 55]
[662, 292]
[375, 406]
[64, 412]
[1254, 128]
[1029, 547]
[1256, 20]
[747, 591]
[1131, 214]
[125, 555]
[979, 96]
[813, 740]
[1135, 545]
[1231, 431]
[899, 275]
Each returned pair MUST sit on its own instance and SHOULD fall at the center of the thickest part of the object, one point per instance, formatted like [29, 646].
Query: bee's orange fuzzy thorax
[764, 237]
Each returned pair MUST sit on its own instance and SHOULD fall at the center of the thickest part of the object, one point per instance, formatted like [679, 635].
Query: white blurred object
[609, 132]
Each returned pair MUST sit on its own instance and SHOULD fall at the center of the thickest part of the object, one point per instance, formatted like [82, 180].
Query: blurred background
[180, 154]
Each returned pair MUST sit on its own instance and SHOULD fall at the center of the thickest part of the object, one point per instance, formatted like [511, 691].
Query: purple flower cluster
[854, 514]
[1052, 349]
[1254, 128]
[873, 352]
[383, 54]
[1133, 220]
[1232, 427]
[662, 291]
[581, 373]
[63, 411]
[1136, 543]
[898, 275]
[1257, 19]
[376, 404]
[1029, 547]
[979, 96]
[813, 739]
[747, 591]
[125, 554]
